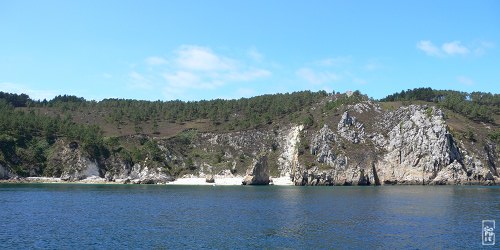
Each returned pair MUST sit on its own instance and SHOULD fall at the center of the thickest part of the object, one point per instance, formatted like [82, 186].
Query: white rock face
[289, 159]
[322, 146]
[364, 107]
[416, 148]
[144, 174]
[77, 166]
[91, 170]
[451, 174]
[350, 129]
[364, 146]
[258, 173]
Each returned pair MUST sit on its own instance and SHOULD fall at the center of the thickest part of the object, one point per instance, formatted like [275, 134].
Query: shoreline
[201, 181]
[184, 181]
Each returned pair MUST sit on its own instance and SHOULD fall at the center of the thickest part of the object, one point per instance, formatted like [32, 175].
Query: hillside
[419, 136]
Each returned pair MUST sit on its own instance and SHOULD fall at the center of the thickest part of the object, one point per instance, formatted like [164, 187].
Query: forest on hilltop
[29, 128]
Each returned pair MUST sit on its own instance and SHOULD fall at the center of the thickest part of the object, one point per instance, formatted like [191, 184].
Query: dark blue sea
[83, 216]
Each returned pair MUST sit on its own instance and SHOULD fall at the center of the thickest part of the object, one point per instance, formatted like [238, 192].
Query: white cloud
[136, 76]
[481, 48]
[335, 61]
[155, 60]
[429, 48]
[191, 57]
[454, 48]
[192, 68]
[139, 81]
[35, 94]
[188, 80]
[372, 66]
[255, 55]
[465, 80]
[314, 77]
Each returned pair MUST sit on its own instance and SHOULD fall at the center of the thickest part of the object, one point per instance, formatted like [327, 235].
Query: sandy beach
[191, 180]
[225, 181]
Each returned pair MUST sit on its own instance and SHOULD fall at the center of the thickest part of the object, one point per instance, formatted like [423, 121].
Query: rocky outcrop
[149, 174]
[118, 169]
[350, 129]
[258, 174]
[357, 144]
[75, 164]
[411, 145]
[5, 173]
[322, 146]
[288, 160]
[452, 174]
[209, 179]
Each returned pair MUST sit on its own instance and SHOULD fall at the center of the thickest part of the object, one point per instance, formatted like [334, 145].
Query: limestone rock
[209, 179]
[149, 173]
[258, 174]
[321, 145]
[451, 174]
[350, 129]
[76, 163]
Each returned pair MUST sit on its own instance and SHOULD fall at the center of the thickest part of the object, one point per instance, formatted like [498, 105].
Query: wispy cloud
[255, 55]
[35, 94]
[183, 80]
[373, 66]
[317, 77]
[139, 81]
[465, 80]
[429, 48]
[192, 57]
[335, 61]
[155, 60]
[328, 72]
[482, 46]
[195, 68]
[453, 48]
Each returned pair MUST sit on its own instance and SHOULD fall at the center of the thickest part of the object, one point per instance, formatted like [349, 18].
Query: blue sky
[193, 50]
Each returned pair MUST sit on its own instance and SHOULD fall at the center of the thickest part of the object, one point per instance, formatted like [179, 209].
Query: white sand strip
[282, 181]
[224, 181]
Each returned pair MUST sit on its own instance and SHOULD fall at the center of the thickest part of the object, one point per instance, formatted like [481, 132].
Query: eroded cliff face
[411, 145]
[366, 146]
[5, 173]
[359, 145]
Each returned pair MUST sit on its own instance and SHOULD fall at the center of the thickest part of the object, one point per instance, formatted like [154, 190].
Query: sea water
[84, 216]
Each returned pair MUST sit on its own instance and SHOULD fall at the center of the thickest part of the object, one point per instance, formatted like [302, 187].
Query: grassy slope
[168, 132]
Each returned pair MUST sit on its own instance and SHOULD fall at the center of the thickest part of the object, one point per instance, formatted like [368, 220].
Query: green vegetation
[477, 106]
[30, 129]
[495, 136]
[25, 137]
[344, 99]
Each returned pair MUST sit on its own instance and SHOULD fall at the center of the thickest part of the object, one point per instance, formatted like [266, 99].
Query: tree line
[241, 113]
[477, 106]
[26, 137]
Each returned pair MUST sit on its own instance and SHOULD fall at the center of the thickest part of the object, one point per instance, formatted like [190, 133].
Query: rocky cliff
[360, 144]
